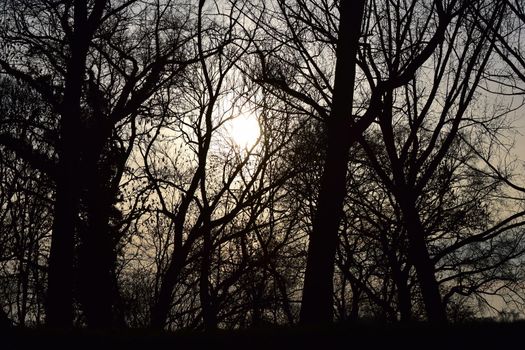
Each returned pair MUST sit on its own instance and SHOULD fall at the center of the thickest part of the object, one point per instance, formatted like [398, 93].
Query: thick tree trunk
[5, 322]
[420, 258]
[403, 299]
[162, 306]
[317, 300]
[209, 316]
[59, 306]
[401, 282]
[96, 262]
[59, 303]
[281, 285]
[97, 258]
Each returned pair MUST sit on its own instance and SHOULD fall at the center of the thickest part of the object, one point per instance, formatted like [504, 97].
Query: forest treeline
[384, 184]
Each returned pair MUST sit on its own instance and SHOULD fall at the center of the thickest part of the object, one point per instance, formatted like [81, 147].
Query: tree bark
[209, 316]
[403, 299]
[317, 299]
[97, 255]
[96, 258]
[5, 322]
[400, 279]
[420, 258]
[162, 304]
[354, 310]
[59, 304]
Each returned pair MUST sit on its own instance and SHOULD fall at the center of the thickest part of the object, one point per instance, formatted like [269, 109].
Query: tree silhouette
[380, 181]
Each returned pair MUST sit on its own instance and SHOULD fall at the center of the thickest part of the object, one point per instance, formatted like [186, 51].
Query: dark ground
[479, 335]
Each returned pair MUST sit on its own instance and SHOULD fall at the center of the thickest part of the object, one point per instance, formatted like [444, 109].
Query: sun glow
[244, 131]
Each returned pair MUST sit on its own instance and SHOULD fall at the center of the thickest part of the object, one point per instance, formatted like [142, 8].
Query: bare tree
[95, 66]
[25, 201]
[306, 32]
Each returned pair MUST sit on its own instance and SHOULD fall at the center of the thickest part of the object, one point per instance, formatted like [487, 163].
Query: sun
[244, 131]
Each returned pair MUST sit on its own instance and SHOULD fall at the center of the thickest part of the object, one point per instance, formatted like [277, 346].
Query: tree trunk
[59, 303]
[403, 299]
[97, 258]
[420, 258]
[22, 291]
[97, 263]
[209, 316]
[354, 310]
[161, 306]
[5, 322]
[401, 282]
[317, 300]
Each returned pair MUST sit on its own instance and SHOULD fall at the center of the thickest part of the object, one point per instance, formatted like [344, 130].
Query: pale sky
[520, 138]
